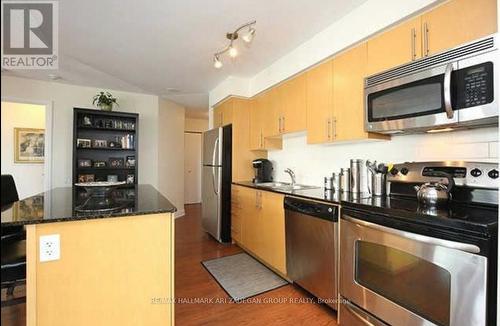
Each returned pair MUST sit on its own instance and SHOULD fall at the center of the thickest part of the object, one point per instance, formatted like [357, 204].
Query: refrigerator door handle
[216, 191]
[214, 154]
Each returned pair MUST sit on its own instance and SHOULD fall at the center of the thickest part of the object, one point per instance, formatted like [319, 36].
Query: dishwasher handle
[321, 210]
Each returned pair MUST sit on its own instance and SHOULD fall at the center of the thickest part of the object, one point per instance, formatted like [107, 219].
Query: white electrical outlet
[50, 247]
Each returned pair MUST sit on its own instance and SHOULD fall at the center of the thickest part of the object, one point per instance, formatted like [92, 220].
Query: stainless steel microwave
[453, 89]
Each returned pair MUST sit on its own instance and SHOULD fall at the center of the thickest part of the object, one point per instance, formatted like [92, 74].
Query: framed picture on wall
[29, 145]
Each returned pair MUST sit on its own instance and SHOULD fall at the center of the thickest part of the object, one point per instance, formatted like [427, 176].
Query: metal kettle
[435, 193]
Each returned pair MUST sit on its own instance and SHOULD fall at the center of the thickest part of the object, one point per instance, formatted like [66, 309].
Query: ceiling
[165, 47]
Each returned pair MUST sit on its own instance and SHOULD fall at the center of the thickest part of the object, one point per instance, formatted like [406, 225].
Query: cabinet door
[294, 108]
[273, 231]
[319, 103]
[227, 112]
[251, 219]
[457, 22]
[348, 95]
[395, 47]
[256, 137]
[236, 214]
[217, 116]
[273, 112]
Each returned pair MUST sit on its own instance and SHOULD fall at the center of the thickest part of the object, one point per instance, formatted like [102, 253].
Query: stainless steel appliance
[311, 247]
[404, 264]
[456, 88]
[263, 170]
[216, 183]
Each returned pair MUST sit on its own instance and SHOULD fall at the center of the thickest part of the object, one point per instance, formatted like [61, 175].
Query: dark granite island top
[64, 204]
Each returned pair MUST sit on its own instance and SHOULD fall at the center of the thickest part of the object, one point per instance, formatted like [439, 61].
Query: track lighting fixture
[231, 49]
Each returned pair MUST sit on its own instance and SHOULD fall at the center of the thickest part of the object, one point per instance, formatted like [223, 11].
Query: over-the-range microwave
[453, 89]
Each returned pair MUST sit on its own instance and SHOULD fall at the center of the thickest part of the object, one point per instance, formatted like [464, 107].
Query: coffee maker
[263, 170]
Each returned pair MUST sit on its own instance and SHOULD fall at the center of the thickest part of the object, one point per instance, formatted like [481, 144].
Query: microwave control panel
[474, 85]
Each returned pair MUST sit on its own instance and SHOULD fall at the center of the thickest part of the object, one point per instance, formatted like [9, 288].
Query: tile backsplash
[312, 162]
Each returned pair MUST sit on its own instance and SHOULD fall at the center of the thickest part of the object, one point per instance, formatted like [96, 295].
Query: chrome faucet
[292, 175]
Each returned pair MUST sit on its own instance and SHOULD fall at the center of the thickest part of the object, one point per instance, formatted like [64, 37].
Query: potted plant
[104, 101]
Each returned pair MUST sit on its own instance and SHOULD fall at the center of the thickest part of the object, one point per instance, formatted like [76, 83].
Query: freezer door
[212, 147]
[211, 200]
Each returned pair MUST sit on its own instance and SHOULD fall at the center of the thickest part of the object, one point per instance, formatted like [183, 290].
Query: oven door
[417, 101]
[409, 279]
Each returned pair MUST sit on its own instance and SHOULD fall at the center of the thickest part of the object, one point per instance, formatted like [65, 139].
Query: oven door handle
[355, 311]
[447, 90]
[417, 237]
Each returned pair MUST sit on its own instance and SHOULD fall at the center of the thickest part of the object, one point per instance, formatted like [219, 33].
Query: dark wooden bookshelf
[120, 128]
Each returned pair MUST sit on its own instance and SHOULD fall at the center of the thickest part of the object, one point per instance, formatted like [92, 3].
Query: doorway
[192, 167]
[25, 145]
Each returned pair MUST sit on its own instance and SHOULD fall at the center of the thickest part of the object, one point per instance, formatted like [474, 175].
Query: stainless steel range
[407, 263]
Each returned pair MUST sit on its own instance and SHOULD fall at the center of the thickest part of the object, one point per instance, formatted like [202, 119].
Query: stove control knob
[493, 174]
[394, 171]
[476, 173]
[404, 171]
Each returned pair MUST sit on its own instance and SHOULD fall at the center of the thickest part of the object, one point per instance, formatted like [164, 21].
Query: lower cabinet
[258, 224]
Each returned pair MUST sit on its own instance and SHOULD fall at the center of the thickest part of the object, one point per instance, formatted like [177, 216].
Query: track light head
[233, 52]
[217, 62]
[248, 37]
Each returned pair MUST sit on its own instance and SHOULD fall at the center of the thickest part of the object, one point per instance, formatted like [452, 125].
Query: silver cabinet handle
[328, 126]
[413, 45]
[426, 39]
[283, 124]
[416, 237]
[334, 128]
[447, 91]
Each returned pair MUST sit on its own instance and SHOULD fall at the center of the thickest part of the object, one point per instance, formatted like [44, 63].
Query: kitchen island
[115, 267]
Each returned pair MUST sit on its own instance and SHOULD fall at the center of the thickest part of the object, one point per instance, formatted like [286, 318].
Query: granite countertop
[473, 220]
[72, 203]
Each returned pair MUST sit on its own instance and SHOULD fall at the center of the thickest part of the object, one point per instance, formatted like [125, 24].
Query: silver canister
[378, 186]
[328, 183]
[359, 176]
[345, 180]
[336, 182]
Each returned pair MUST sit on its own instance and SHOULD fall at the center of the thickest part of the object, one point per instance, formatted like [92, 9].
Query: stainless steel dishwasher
[311, 247]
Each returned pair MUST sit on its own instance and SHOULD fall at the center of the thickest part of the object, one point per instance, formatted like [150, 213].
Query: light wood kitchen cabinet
[236, 214]
[287, 107]
[273, 230]
[348, 95]
[261, 217]
[223, 114]
[395, 47]
[319, 103]
[260, 133]
[293, 118]
[457, 22]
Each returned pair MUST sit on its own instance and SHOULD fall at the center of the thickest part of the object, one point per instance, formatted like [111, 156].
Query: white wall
[313, 162]
[64, 98]
[170, 151]
[28, 176]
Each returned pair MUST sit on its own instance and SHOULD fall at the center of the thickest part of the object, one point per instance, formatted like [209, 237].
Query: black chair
[13, 242]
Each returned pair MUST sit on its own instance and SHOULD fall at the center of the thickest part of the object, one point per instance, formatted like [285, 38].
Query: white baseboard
[179, 213]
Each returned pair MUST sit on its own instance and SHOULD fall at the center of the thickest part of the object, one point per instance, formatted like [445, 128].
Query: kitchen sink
[284, 186]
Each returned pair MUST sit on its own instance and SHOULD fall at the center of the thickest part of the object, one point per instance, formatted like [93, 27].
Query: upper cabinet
[395, 47]
[348, 96]
[293, 116]
[442, 28]
[457, 22]
[223, 114]
[260, 117]
[319, 103]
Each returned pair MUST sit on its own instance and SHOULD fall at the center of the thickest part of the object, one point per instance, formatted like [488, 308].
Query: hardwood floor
[193, 282]
[194, 286]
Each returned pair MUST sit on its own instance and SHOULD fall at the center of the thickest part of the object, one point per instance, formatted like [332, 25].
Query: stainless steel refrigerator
[216, 183]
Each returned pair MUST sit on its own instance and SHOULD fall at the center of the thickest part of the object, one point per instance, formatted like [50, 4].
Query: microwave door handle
[447, 91]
